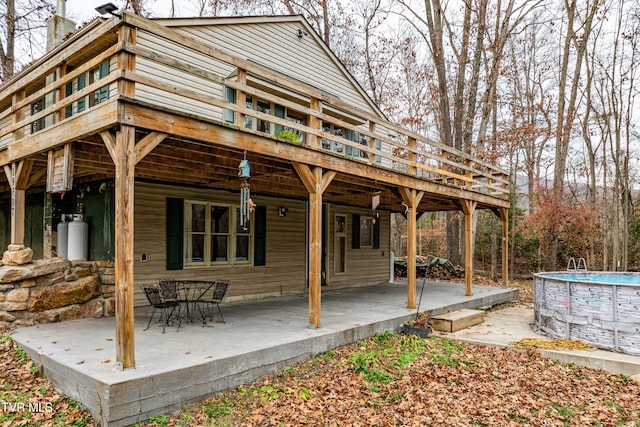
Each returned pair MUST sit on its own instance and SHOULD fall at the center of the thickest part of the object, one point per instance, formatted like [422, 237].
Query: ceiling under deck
[193, 163]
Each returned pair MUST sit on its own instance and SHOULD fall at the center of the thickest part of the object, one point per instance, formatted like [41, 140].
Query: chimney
[58, 26]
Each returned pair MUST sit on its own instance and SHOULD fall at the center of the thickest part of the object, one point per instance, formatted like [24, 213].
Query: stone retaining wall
[52, 290]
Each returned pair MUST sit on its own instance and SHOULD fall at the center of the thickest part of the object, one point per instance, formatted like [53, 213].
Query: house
[203, 148]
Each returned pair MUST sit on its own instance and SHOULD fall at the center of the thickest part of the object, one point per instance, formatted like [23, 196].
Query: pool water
[597, 277]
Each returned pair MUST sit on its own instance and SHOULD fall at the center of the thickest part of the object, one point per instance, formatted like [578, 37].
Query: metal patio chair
[214, 298]
[166, 308]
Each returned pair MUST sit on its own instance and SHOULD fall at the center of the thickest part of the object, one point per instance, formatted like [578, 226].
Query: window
[229, 95]
[366, 232]
[263, 107]
[96, 74]
[340, 148]
[213, 235]
[40, 104]
[266, 126]
[36, 107]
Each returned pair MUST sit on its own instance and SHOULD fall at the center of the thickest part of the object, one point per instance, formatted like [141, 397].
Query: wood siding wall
[285, 269]
[178, 79]
[278, 47]
[286, 251]
[363, 265]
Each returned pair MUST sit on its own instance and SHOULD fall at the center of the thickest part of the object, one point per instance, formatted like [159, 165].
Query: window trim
[208, 234]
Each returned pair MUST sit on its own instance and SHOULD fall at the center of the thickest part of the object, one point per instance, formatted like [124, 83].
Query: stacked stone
[52, 290]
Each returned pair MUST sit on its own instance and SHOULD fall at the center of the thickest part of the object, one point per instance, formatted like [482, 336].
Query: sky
[84, 10]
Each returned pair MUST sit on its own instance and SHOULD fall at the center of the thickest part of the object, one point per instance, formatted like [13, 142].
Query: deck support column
[504, 218]
[124, 159]
[412, 199]
[316, 183]
[469, 208]
[18, 177]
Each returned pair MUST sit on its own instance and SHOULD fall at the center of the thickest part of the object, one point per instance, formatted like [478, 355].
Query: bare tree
[22, 30]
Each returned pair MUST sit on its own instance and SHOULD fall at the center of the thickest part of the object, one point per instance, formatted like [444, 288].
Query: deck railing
[324, 123]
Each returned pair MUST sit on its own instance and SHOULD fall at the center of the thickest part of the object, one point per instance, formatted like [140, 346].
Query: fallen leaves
[28, 399]
[442, 383]
[553, 344]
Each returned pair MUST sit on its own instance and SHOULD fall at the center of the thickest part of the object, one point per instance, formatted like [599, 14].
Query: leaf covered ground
[394, 380]
[28, 399]
[388, 380]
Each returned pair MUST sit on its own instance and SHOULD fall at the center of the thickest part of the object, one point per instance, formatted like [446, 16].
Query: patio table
[189, 294]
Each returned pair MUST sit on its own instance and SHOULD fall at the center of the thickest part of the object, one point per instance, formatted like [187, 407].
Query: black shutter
[175, 239]
[260, 236]
[355, 232]
[376, 234]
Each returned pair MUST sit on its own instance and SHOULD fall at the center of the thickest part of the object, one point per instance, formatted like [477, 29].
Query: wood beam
[147, 144]
[98, 118]
[316, 183]
[211, 133]
[109, 143]
[504, 219]
[124, 203]
[411, 198]
[469, 208]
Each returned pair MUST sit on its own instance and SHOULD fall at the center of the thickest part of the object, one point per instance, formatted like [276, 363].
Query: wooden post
[126, 61]
[59, 115]
[314, 122]
[371, 158]
[469, 208]
[412, 155]
[124, 198]
[241, 98]
[315, 183]
[18, 176]
[18, 115]
[412, 199]
[504, 218]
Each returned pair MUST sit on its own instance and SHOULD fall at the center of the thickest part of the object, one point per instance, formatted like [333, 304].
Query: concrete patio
[260, 337]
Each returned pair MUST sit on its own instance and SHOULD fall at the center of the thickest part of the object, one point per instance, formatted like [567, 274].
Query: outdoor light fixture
[109, 8]
[282, 211]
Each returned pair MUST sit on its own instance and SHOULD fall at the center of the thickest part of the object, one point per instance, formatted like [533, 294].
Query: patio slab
[260, 337]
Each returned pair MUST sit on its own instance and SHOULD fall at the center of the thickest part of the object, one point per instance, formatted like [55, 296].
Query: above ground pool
[598, 308]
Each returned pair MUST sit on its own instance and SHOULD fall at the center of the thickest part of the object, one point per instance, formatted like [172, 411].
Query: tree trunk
[8, 53]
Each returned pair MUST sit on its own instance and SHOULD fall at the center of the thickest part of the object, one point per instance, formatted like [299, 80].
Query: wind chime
[246, 204]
